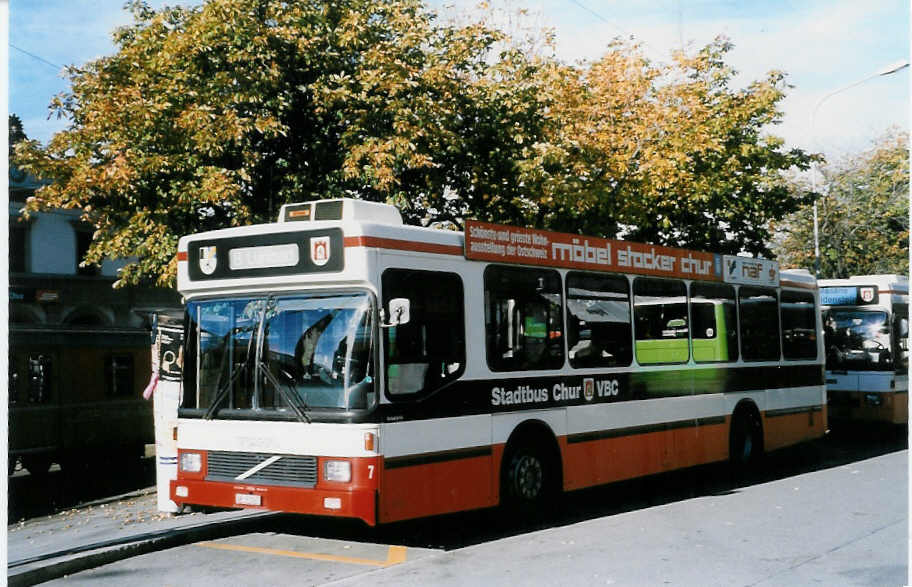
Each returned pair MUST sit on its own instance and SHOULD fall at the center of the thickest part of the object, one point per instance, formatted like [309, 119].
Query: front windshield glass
[857, 340]
[279, 356]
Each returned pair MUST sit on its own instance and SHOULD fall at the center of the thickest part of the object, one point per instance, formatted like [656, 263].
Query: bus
[866, 333]
[339, 363]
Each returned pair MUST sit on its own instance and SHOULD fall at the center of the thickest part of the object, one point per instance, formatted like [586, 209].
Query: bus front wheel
[528, 477]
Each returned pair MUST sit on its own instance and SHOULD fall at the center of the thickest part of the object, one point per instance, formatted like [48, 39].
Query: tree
[216, 115]
[16, 132]
[666, 154]
[862, 212]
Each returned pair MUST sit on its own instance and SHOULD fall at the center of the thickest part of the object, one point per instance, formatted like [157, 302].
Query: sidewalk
[108, 530]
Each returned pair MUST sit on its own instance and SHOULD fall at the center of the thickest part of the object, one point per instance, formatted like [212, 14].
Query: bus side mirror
[398, 313]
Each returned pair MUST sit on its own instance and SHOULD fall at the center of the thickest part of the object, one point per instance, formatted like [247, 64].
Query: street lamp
[889, 69]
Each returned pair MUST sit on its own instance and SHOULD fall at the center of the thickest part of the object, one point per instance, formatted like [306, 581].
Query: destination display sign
[511, 244]
[264, 255]
[849, 295]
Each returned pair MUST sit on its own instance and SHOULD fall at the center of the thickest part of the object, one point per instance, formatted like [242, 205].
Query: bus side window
[660, 320]
[598, 320]
[714, 322]
[799, 325]
[428, 351]
[39, 374]
[759, 323]
[523, 318]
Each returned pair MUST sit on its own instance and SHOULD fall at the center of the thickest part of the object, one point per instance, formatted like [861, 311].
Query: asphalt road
[831, 512]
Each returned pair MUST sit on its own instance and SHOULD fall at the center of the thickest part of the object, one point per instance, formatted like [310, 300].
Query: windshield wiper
[222, 392]
[289, 395]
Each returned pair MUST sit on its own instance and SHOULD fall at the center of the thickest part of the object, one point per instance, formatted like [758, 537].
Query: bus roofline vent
[341, 209]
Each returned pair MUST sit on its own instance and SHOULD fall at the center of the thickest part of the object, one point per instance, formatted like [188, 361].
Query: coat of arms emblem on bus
[319, 250]
[207, 260]
[589, 388]
[867, 294]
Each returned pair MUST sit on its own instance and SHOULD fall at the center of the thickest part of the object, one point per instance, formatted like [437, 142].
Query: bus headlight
[191, 462]
[340, 471]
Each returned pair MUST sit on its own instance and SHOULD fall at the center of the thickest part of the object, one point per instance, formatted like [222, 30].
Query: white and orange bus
[340, 363]
[866, 334]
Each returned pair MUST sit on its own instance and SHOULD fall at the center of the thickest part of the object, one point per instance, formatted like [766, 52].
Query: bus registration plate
[247, 499]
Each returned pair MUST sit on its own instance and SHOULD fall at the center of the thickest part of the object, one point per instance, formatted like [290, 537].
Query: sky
[824, 47]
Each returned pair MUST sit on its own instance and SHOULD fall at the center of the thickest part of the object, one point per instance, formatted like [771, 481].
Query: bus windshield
[857, 340]
[279, 357]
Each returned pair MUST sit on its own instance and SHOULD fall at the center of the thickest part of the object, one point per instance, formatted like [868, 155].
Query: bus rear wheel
[746, 439]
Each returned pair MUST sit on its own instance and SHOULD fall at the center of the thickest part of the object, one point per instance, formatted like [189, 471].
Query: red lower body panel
[351, 504]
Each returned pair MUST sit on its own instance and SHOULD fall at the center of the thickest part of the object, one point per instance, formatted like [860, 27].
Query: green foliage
[215, 115]
[863, 215]
[666, 154]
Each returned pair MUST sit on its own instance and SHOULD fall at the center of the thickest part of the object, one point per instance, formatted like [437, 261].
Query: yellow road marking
[395, 554]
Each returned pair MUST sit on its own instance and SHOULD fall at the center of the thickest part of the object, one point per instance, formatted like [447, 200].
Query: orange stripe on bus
[436, 488]
[782, 431]
[182, 255]
[401, 245]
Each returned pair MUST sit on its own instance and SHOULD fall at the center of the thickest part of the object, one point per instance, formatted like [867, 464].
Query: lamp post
[889, 69]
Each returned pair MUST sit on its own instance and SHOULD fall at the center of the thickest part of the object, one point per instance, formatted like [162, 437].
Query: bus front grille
[286, 470]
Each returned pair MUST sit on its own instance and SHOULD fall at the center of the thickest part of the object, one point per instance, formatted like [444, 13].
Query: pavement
[109, 530]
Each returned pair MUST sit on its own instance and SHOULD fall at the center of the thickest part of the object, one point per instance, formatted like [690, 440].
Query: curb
[59, 564]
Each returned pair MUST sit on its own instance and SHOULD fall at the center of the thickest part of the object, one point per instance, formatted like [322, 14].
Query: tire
[528, 478]
[746, 440]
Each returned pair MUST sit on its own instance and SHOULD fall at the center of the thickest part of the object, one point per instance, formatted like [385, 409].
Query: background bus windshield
[279, 356]
[857, 340]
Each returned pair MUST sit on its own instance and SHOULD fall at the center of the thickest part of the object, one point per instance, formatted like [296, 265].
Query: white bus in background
[866, 331]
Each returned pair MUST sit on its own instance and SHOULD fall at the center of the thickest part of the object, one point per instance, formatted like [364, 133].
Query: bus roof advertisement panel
[528, 246]
[746, 271]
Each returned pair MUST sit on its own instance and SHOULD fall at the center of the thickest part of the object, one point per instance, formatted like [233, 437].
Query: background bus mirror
[398, 312]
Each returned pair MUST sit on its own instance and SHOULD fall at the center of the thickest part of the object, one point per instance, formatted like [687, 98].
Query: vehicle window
[759, 323]
[13, 374]
[119, 374]
[901, 338]
[660, 321]
[428, 351]
[523, 318]
[40, 373]
[857, 339]
[714, 322]
[598, 320]
[279, 356]
[799, 325]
